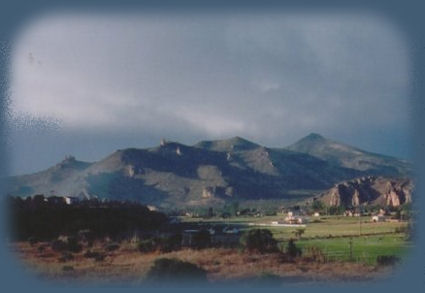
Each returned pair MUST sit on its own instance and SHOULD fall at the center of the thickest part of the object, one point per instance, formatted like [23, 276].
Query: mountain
[209, 172]
[228, 145]
[369, 190]
[350, 157]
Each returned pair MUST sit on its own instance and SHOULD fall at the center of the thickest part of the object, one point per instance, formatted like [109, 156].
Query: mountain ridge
[209, 172]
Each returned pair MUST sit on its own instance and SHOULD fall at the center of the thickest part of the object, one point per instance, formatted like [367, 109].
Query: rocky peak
[369, 190]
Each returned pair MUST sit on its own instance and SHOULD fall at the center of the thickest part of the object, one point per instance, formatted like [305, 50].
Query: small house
[56, 200]
[378, 218]
[71, 200]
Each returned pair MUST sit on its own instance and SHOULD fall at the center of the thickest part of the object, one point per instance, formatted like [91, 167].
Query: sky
[87, 85]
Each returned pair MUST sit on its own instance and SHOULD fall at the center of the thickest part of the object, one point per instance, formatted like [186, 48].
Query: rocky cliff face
[370, 190]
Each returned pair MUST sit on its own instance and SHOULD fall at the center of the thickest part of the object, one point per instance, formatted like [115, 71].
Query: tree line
[43, 219]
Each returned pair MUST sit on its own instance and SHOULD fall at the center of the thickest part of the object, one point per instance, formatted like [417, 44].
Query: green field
[332, 235]
[364, 249]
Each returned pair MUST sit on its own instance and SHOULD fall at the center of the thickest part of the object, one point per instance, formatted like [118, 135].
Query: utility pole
[360, 226]
[360, 221]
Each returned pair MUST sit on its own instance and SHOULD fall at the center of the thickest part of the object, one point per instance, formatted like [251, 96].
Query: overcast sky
[87, 85]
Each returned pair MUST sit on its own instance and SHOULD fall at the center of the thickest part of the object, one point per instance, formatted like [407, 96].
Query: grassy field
[364, 249]
[332, 235]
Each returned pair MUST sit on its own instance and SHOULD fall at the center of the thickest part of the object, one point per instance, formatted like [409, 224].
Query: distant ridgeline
[47, 218]
[215, 172]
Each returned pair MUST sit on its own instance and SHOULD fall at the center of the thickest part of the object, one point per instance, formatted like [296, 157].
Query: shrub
[298, 232]
[315, 253]
[174, 270]
[148, 245]
[387, 260]
[171, 243]
[67, 268]
[292, 250]
[66, 256]
[73, 245]
[318, 205]
[97, 256]
[32, 240]
[112, 246]
[58, 245]
[41, 248]
[260, 240]
[201, 239]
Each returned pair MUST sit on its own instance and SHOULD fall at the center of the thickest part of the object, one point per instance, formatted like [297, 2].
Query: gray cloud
[271, 78]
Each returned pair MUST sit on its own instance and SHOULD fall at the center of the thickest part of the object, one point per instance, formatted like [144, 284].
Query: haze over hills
[209, 172]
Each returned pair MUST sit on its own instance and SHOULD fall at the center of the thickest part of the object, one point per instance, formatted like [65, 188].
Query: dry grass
[128, 264]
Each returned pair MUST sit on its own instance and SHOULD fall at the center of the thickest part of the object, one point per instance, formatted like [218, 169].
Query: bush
[66, 256]
[260, 240]
[318, 206]
[58, 245]
[315, 253]
[165, 244]
[292, 250]
[97, 256]
[148, 245]
[171, 243]
[174, 270]
[32, 240]
[201, 239]
[41, 248]
[112, 246]
[73, 245]
[298, 232]
[387, 260]
[67, 268]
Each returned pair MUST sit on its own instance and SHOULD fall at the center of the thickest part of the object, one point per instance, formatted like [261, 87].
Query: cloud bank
[271, 78]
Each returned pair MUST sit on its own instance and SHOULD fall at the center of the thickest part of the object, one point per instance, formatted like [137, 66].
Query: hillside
[209, 172]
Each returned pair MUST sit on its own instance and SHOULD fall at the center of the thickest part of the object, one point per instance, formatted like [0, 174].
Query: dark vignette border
[406, 15]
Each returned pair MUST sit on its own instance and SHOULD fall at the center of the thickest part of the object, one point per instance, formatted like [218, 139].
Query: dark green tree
[292, 250]
[260, 240]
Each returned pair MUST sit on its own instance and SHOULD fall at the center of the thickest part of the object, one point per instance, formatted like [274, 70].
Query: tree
[260, 240]
[406, 211]
[318, 206]
[298, 232]
[201, 239]
[292, 250]
[336, 210]
[210, 212]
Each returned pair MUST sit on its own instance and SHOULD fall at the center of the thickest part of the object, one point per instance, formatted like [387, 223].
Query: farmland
[332, 234]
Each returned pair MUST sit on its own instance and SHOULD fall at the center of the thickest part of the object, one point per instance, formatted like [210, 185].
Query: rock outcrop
[369, 190]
